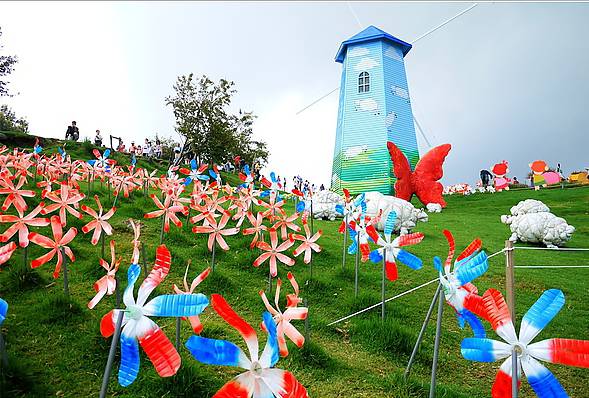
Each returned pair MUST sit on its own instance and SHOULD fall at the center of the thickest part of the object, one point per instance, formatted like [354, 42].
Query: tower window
[364, 82]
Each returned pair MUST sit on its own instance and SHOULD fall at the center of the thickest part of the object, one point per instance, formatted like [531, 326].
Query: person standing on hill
[72, 132]
[98, 138]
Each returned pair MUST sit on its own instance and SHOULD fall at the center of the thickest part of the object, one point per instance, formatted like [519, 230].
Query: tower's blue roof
[370, 33]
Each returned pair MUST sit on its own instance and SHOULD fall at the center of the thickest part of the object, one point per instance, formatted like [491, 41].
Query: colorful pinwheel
[351, 209]
[563, 351]
[308, 243]
[108, 283]
[194, 320]
[136, 242]
[257, 228]
[138, 327]
[393, 248]
[305, 205]
[359, 235]
[168, 211]
[260, 380]
[282, 319]
[100, 222]
[216, 231]
[56, 245]
[273, 186]
[21, 225]
[283, 222]
[247, 177]
[195, 173]
[64, 199]
[216, 176]
[16, 195]
[469, 265]
[102, 162]
[274, 252]
[272, 207]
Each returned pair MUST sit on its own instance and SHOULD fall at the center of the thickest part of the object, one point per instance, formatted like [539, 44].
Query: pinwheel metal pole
[422, 331]
[3, 354]
[213, 256]
[162, 230]
[514, 390]
[118, 191]
[178, 320]
[432, 387]
[102, 245]
[312, 229]
[307, 323]
[382, 288]
[510, 278]
[344, 242]
[25, 255]
[66, 289]
[269, 283]
[111, 355]
[357, 265]
[144, 259]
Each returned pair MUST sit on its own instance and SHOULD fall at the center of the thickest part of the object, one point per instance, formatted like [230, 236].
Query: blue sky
[504, 81]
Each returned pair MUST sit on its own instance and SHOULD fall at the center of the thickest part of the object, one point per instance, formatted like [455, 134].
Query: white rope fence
[551, 266]
[565, 249]
[399, 295]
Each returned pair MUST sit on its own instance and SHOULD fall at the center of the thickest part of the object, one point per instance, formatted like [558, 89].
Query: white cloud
[368, 104]
[394, 53]
[357, 51]
[400, 92]
[390, 119]
[354, 151]
[365, 64]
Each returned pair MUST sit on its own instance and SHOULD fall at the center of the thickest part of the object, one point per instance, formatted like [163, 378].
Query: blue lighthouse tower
[374, 108]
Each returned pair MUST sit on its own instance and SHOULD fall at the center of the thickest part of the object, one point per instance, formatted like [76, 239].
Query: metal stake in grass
[66, 289]
[111, 355]
[118, 192]
[102, 245]
[162, 231]
[144, 259]
[178, 320]
[422, 331]
[307, 323]
[344, 242]
[356, 268]
[213, 256]
[432, 387]
[514, 353]
[269, 283]
[382, 288]
[25, 255]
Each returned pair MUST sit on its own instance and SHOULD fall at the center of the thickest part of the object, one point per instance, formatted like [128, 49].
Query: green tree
[6, 67]
[210, 131]
[9, 121]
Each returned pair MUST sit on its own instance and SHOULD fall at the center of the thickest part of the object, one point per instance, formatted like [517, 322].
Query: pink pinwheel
[261, 379]
[257, 228]
[100, 222]
[216, 231]
[108, 283]
[207, 211]
[272, 207]
[6, 252]
[283, 222]
[21, 224]
[15, 193]
[58, 243]
[274, 252]
[135, 241]
[168, 211]
[282, 319]
[64, 199]
[308, 244]
[138, 328]
[194, 320]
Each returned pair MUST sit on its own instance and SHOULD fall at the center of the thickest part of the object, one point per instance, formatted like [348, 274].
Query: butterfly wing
[402, 170]
[427, 173]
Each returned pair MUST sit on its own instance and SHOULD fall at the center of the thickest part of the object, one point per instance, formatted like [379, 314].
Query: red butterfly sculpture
[422, 182]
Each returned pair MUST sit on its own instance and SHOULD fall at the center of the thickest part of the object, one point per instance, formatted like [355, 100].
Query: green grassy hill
[55, 347]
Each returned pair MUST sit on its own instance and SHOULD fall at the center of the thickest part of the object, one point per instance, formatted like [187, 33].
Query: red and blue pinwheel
[393, 249]
[351, 209]
[247, 177]
[563, 351]
[261, 379]
[137, 327]
[273, 186]
[102, 162]
[469, 265]
[195, 173]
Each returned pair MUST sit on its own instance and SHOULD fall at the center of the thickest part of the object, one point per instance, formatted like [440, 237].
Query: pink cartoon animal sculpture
[500, 179]
[541, 175]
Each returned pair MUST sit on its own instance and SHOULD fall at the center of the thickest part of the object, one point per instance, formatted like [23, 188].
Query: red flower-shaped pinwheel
[99, 223]
[308, 243]
[64, 199]
[282, 319]
[108, 283]
[272, 207]
[21, 224]
[274, 252]
[216, 231]
[6, 252]
[59, 242]
[256, 229]
[168, 211]
[283, 222]
[15, 193]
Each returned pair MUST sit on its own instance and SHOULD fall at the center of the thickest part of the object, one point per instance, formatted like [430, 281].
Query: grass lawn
[55, 347]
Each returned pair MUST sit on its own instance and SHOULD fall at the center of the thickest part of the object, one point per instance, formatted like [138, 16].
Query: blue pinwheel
[351, 209]
[216, 176]
[3, 311]
[469, 265]
[247, 177]
[37, 148]
[138, 327]
[273, 186]
[102, 162]
[391, 250]
[195, 173]
[570, 352]
[62, 152]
